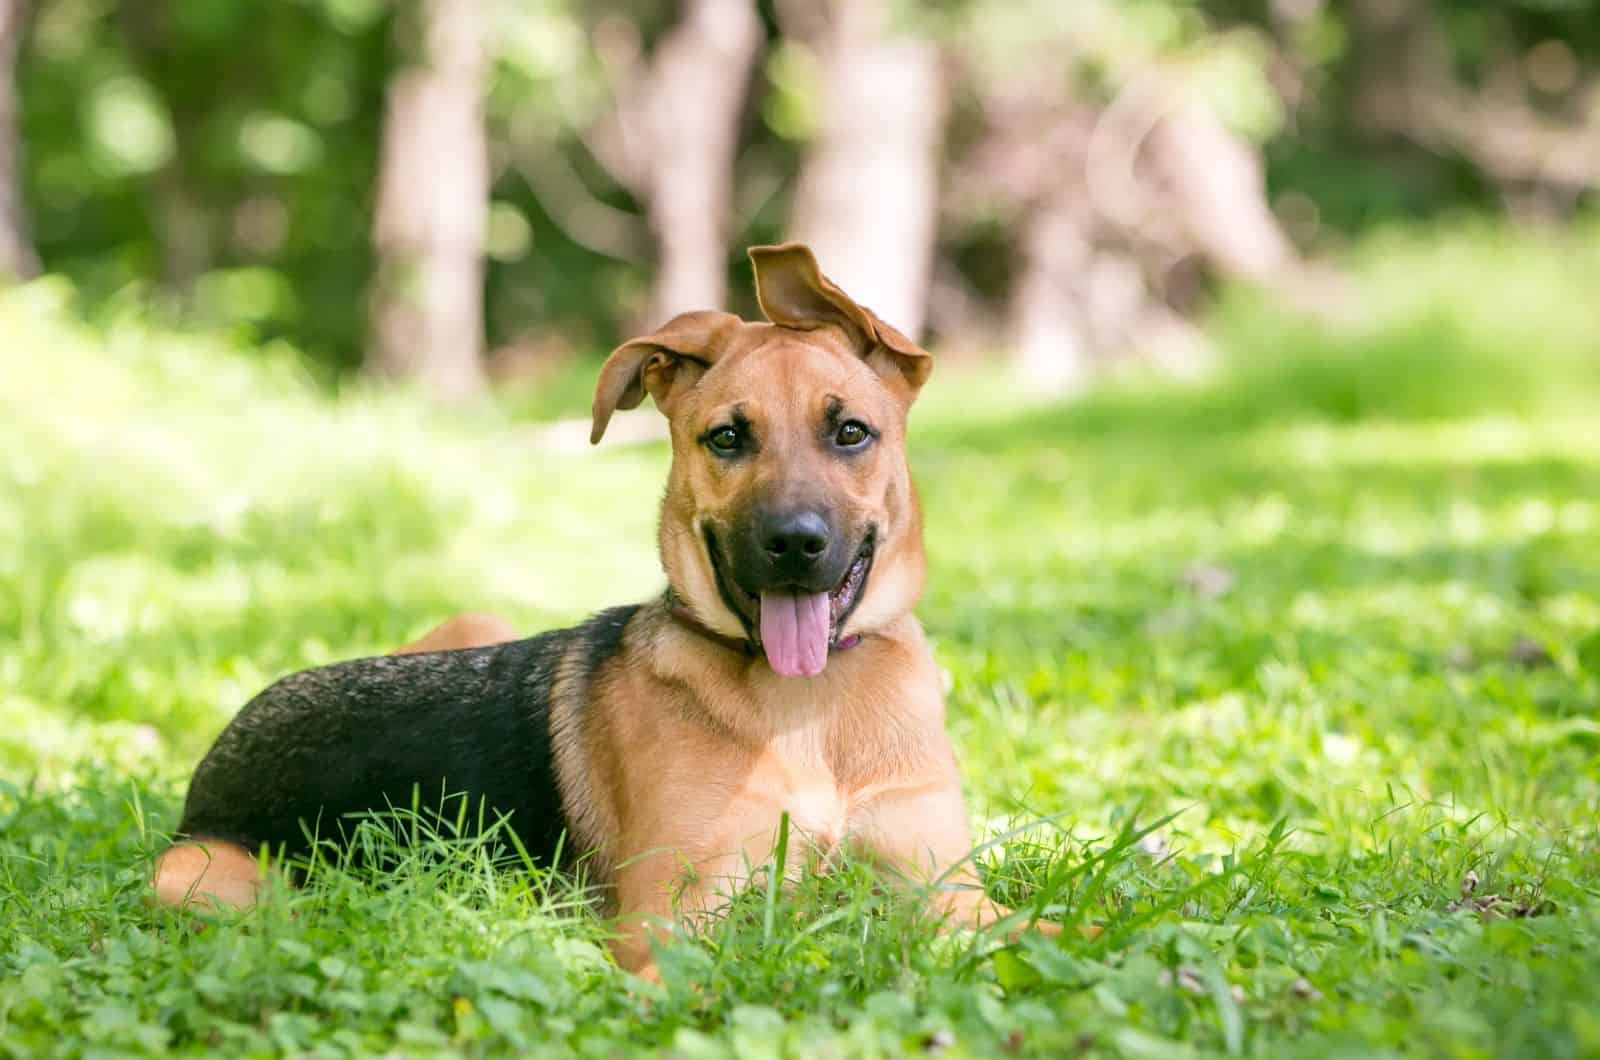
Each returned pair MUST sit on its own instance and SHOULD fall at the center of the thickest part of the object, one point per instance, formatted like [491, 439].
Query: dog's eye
[725, 440]
[852, 433]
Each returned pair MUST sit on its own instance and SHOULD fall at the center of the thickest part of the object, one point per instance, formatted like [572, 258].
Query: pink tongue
[794, 632]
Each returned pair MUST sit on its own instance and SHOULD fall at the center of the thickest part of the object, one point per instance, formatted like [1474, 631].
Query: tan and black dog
[782, 671]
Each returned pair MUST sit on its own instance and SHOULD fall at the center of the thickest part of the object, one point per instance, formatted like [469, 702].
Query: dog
[781, 672]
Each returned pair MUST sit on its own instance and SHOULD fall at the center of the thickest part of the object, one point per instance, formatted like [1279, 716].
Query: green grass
[1328, 627]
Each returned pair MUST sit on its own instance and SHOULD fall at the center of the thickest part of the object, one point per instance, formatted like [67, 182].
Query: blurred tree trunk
[1050, 339]
[17, 257]
[671, 139]
[867, 198]
[1087, 295]
[695, 99]
[185, 224]
[1116, 209]
[1219, 187]
[1390, 42]
[432, 209]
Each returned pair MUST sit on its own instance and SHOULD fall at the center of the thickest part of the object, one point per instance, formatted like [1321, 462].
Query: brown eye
[852, 433]
[724, 440]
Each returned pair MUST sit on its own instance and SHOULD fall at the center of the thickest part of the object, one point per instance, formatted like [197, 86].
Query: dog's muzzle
[797, 549]
[793, 579]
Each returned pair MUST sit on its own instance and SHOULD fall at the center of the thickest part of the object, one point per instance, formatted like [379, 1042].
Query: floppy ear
[794, 294]
[662, 364]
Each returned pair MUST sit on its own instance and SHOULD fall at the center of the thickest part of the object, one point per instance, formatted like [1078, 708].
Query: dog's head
[790, 518]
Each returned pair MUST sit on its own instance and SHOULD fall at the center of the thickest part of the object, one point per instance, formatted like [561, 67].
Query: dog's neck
[679, 612]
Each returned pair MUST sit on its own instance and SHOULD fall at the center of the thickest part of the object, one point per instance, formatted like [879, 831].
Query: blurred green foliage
[233, 148]
[223, 156]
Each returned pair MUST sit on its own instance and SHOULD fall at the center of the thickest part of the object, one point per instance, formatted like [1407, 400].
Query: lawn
[1283, 690]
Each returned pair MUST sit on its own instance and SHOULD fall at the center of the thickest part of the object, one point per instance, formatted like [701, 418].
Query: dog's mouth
[793, 627]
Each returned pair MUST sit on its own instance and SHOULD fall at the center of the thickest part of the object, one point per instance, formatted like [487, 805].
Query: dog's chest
[795, 778]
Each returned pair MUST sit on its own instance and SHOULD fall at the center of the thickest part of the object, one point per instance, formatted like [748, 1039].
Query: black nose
[795, 541]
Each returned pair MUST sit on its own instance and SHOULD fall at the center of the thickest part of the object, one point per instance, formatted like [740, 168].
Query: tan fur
[678, 756]
[207, 874]
[857, 756]
[782, 380]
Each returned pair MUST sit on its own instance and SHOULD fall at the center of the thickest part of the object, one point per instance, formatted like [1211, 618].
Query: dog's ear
[794, 294]
[662, 364]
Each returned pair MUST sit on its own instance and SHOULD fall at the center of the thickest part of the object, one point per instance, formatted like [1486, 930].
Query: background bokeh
[1061, 184]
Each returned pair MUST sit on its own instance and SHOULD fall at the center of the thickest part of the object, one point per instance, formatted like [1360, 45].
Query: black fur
[324, 744]
[602, 638]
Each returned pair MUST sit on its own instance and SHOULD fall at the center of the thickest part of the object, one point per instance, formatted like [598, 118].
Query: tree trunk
[1220, 190]
[867, 198]
[697, 92]
[17, 257]
[1110, 201]
[432, 209]
[1394, 53]
[185, 224]
[1082, 300]
[1050, 339]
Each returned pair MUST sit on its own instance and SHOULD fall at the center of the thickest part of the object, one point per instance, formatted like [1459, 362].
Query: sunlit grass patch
[1342, 652]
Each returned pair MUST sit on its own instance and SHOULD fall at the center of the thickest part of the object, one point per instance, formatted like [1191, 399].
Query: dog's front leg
[657, 892]
[920, 833]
